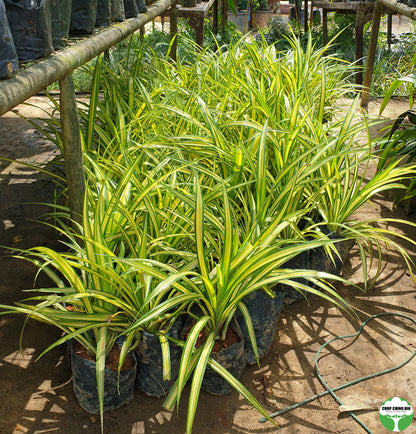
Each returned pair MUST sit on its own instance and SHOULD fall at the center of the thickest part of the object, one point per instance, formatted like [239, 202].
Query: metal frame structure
[59, 67]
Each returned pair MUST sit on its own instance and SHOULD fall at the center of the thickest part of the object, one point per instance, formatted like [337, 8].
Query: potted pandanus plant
[101, 286]
[83, 303]
[227, 269]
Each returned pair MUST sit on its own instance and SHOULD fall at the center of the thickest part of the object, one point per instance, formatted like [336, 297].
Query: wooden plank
[200, 10]
[344, 6]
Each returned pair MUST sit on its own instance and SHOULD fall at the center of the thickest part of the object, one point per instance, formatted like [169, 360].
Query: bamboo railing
[59, 67]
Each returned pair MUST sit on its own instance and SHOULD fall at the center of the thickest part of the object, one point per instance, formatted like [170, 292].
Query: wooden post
[305, 15]
[199, 32]
[297, 13]
[324, 27]
[359, 46]
[72, 149]
[389, 29]
[215, 17]
[224, 8]
[174, 30]
[365, 93]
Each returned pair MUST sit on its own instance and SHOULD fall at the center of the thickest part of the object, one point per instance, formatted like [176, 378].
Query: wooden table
[197, 15]
[364, 14]
[392, 6]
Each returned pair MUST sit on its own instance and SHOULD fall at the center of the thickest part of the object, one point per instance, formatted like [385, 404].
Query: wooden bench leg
[215, 17]
[324, 27]
[359, 50]
[197, 24]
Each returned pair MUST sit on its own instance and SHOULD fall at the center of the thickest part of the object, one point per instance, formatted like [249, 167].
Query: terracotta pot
[260, 19]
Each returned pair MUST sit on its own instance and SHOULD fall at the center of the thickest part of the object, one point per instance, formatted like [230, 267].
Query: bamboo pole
[72, 149]
[59, 67]
[33, 79]
[400, 8]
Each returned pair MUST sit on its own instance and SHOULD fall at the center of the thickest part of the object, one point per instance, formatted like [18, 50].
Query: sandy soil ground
[37, 396]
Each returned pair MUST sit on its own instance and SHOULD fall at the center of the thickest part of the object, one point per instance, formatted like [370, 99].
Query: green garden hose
[350, 383]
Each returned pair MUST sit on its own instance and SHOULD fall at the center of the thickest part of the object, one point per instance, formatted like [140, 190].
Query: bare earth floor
[37, 396]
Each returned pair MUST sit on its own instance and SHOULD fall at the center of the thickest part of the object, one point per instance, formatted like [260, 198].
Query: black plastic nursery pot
[292, 295]
[8, 55]
[30, 23]
[141, 6]
[117, 11]
[319, 260]
[60, 11]
[189, 3]
[83, 17]
[118, 390]
[103, 18]
[232, 359]
[130, 8]
[264, 313]
[149, 377]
